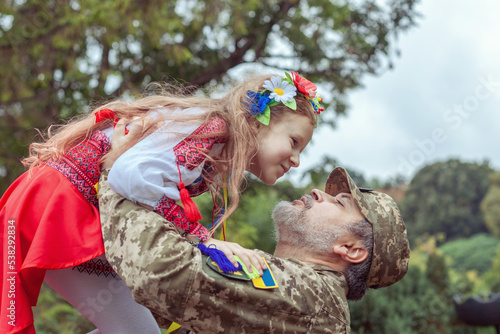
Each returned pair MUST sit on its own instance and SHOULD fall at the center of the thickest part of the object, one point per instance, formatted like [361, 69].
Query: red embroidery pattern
[175, 213]
[192, 151]
[197, 188]
[81, 165]
[96, 267]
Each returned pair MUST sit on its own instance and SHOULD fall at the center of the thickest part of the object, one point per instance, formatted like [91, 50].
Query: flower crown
[282, 90]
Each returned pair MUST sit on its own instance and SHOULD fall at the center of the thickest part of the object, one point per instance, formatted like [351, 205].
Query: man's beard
[293, 227]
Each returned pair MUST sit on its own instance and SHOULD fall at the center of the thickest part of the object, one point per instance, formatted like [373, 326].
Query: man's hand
[121, 142]
[247, 256]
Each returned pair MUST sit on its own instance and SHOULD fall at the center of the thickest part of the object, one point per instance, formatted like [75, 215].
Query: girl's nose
[295, 160]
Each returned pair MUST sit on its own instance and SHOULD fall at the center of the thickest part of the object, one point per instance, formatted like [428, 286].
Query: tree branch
[216, 72]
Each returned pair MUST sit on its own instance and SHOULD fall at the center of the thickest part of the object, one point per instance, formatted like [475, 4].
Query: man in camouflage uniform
[324, 256]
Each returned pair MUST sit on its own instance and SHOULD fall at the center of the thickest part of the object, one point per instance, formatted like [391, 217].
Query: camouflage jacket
[171, 277]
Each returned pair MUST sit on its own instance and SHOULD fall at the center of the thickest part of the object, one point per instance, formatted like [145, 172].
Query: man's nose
[318, 195]
[321, 196]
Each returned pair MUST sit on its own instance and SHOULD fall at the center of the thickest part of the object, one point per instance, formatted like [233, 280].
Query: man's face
[315, 221]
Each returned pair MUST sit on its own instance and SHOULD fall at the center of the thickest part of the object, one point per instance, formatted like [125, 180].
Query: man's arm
[148, 254]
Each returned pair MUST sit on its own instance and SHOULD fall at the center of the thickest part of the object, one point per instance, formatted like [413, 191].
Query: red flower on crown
[306, 87]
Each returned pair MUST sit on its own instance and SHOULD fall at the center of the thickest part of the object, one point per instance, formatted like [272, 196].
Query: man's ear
[352, 252]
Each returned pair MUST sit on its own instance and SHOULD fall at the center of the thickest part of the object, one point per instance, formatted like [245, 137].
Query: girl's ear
[352, 252]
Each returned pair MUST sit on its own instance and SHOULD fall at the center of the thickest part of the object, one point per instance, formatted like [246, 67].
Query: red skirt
[46, 224]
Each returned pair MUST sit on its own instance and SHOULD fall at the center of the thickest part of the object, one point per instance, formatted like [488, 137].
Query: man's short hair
[356, 273]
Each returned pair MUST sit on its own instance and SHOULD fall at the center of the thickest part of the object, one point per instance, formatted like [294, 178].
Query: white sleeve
[148, 170]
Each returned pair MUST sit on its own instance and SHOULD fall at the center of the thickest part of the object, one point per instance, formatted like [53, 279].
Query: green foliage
[445, 197]
[492, 277]
[412, 305]
[436, 272]
[237, 230]
[321, 170]
[57, 57]
[490, 206]
[474, 253]
[54, 315]
[422, 302]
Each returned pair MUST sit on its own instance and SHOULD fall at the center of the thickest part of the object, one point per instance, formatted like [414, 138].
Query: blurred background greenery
[60, 58]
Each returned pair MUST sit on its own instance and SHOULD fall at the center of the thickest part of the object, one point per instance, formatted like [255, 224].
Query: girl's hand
[121, 142]
[247, 256]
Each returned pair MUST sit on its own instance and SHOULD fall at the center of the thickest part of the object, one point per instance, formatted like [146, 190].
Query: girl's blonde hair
[241, 132]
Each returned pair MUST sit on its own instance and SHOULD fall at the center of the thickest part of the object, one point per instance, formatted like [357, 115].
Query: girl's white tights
[106, 301]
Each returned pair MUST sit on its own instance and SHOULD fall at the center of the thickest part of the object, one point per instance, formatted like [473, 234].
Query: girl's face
[280, 145]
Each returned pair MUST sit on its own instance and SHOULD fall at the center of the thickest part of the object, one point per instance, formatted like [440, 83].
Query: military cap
[391, 249]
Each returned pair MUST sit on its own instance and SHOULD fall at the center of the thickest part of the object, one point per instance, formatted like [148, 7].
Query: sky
[441, 100]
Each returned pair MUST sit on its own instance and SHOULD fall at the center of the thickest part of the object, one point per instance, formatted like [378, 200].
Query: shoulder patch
[239, 275]
[267, 281]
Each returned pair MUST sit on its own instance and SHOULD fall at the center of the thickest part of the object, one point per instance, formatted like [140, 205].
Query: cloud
[411, 116]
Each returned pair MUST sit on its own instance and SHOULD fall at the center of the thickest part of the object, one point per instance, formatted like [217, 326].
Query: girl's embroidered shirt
[148, 172]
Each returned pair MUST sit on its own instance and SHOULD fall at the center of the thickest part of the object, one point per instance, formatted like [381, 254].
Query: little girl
[188, 146]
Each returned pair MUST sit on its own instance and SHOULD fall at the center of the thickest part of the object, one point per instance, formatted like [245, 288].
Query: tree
[57, 57]
[474, 253]
[490, 206]
[445, 197]
[319, 173]
[420, 303]
[491, 277]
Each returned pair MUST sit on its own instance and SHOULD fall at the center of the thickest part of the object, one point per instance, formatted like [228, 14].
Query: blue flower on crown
[259, 102]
